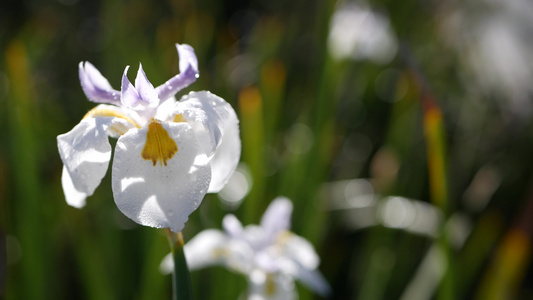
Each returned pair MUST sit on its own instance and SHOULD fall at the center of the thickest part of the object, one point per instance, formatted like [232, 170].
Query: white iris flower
[269, 255]
[169, 153]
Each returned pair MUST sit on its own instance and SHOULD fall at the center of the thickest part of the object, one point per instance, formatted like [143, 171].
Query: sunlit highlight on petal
[126, 182]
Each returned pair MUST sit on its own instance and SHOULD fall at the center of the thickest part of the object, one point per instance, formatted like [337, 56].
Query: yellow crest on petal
[107, 112]
[179, 118]
[159, 146]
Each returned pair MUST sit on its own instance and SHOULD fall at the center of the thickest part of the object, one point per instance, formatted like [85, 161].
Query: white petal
[226, 157]
[303, 255]
[206, 249]
[257, 237]
[215, 124]
[213, 247]
[300, 250]
[277, 217]
[314, 280]
[165, 110]
[74, 197]
[85, 152]
[232, 226]
[277, 286]
[160, 196]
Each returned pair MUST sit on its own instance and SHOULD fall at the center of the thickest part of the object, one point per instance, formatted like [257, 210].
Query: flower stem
[181, 279]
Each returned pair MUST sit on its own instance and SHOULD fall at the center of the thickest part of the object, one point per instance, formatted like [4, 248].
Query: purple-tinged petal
[232, 226]
[277, 217]
[95, 86]
[314, 280]
[145, 88]
[187, 58]
[129, 96]
[188, 73]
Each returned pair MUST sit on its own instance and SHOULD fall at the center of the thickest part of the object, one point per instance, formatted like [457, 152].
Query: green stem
[181, 278]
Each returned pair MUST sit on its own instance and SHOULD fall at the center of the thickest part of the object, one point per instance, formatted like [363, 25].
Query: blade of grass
[252, 135]
[181, 278]
[28, 207]
[511, 259]
[437, 170]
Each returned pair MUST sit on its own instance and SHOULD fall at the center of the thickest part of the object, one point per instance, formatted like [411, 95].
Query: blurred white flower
[357, 32]
[493, 39]
[169, 153]
[269, 255]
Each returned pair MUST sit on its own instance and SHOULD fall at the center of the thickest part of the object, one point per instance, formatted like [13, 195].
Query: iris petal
[216, 126]
[145, 88]
[85, 152]
[74, 197]
[277, 217]
[188, 58]
[160, 196]
[95, 86]
[129, 97]
[188, 73]
[226, 157]
[213, 247]
[232, 226]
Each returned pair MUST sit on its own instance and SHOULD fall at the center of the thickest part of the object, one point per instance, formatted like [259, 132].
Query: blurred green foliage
[307, 121]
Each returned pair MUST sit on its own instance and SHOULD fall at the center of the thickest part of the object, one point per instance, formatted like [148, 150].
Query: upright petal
[277, 217]
[85, 152]
[232, 226]
[129, 96]
[95, 86]
[216, 125]
[155, 194]
[188, 58]
[145, 89]
[188, 73]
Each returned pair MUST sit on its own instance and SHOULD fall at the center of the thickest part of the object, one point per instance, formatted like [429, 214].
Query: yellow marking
[283, 237]
[159, 145]
[106, 112]
[118, 128]
[179, 118]
[219, 253]
[270, 286]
